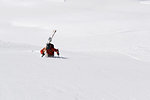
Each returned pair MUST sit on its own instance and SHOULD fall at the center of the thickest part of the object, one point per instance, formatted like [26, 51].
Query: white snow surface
[104, 48]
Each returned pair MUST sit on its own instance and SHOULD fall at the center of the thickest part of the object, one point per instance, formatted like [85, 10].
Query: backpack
[49, 46]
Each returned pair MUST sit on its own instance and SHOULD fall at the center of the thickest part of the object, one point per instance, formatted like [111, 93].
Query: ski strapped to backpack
[51, 37]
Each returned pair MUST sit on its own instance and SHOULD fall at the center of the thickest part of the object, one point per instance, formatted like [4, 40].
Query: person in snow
[49, 49]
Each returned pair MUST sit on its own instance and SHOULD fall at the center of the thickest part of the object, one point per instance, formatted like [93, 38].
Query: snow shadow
[57, 57]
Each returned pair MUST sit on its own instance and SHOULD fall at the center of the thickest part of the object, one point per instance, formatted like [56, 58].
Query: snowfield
[81, 76]
[104, 49]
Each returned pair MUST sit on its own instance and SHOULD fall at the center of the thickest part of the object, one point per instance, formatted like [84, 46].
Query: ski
[51, 37]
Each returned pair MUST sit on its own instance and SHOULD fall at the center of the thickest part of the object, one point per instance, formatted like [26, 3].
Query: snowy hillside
[112, 25]
[105, 76]
[17, 46]
[104, 45]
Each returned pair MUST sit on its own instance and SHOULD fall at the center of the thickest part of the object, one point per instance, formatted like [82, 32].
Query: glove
[58, 52]
[43, 54]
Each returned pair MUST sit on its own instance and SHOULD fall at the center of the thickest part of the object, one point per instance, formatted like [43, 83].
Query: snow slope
[94, 25]
[105, 44]
[106, 76]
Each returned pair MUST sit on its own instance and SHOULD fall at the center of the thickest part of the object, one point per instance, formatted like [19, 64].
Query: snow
[145, 1]
[104, 45]
[107, 76]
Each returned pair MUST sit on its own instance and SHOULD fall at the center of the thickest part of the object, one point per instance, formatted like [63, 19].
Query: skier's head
[50, 39]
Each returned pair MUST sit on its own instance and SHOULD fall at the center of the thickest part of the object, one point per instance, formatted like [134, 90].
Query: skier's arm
[42, 51]
[57, 51]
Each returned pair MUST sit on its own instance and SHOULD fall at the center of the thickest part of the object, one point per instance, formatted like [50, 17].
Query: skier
[49, 49]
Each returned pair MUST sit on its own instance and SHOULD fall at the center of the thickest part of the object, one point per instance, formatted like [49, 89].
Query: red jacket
[43, 50]
[50, 52]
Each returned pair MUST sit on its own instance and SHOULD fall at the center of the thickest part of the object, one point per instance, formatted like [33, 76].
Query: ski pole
[53, 33]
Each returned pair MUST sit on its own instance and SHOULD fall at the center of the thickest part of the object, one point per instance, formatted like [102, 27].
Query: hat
[49, 39]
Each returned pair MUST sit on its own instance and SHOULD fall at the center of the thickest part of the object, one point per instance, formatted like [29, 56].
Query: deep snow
[104, 76]
[106, 45]
[93, 25]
